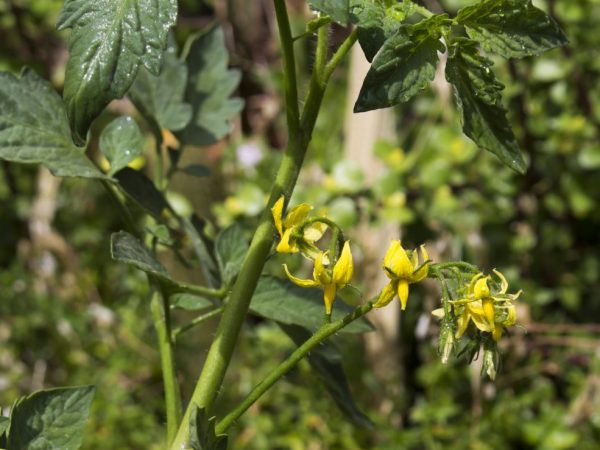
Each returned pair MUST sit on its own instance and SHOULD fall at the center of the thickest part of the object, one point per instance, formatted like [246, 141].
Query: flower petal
[277, 212]
[503, 282]
[488, 312]
[320, 273]
[299, 281]
[314, 232]
[403, 293]
[284, 245]
[344, 267]
[297, 215]
[329, 297]
[387, 295]
[481, 289]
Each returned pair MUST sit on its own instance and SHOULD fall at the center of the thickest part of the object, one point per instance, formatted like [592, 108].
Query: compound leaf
[34, 127]
[210, 85]
[110, 40]
[231, 248]
[50, 419]
[511, 28]
[405, 64]
[478, 97]
[338, 10]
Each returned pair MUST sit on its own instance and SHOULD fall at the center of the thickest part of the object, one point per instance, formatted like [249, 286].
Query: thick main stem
[300, 131]
[320, 335]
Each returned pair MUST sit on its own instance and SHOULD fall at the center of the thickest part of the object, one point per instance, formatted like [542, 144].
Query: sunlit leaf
[121, 142]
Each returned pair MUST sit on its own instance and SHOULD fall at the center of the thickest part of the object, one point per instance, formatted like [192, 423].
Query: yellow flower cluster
[294, 237]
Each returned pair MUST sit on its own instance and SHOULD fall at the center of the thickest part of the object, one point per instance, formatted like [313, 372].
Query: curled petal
[329, 297]
[475, 312]
[320, 273]
[420, 273]
[344, 267]
[481, 288]
[473, 281]
[403, 293]
[314, 232]
[488, 312]
[503, 282]
[277, 212]
[297, 215]
[463, 323]
[299, 281]
[387, 295]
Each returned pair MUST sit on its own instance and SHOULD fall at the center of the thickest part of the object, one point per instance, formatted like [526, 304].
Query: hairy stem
[160, 316]
[300, 130]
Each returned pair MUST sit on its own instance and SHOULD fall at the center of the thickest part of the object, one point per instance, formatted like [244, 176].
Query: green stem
[159, 164]
[320, 335]
[300, 132]
[197, 321]
[200, 290]
[160, 315]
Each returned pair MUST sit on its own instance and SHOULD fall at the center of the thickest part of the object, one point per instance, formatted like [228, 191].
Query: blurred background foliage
[68, 315]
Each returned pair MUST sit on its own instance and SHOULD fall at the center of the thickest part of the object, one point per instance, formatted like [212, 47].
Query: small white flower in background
[249, 154]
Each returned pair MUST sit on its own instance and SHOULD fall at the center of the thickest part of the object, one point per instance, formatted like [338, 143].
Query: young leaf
[34, 127]
[4, 422]
[121, 142]
[50, 419]
[405, 64]
[477, 95]
[281, 300]
[189, 302]
[511, 28]
[210, 85]
[109, 41]
[375, 23]
[202, 432]
[338, 10]
[160, 98]
[326, 361]
[128, 249]
[231, 248]
[142, 190]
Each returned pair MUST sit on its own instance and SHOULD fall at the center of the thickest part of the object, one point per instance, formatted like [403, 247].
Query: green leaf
[121, 142]
[202, 432]
[4, 423]
[511, 28]
[189, 302]
[128, 249]
[141, 189]
[338, 10]
[231, 248]
[34, 127]
[376, 23]
[196, 170]
[478, 97]
[405, 64]
[326, 361]
[210, 84]
[160, 98]
[281, 300]
[50, 419]
[110, 40]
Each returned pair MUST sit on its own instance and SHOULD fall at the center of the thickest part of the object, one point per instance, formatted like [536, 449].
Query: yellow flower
[403, 269]
[490, 311]
[330, 280]
[289, 242]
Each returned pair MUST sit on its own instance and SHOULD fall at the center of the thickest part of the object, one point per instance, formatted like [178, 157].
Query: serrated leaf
[202, 432]
[50, 419]
[210, 85]
[196, 170]
[128, 249]
[142, 190]
[34, 127]
[121, 142]
[326, 361]
[338, 10]
[511, 28]
[189, 302]
[479, 101]
[110, 40]
[375, 24]
[405, 64]
[160, 98]
[230, 248]
[281, 300]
